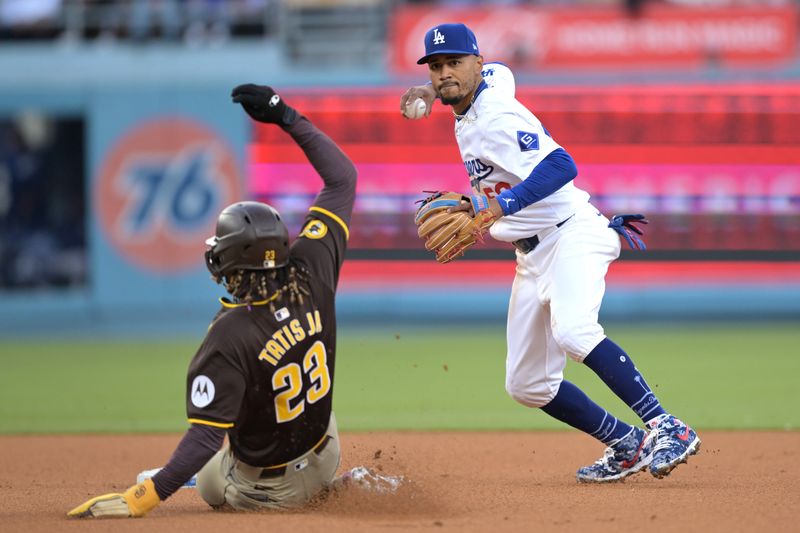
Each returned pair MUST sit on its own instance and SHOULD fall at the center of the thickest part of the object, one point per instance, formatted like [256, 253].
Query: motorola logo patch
[202, 391]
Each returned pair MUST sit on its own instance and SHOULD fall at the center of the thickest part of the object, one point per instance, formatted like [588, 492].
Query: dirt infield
[457, 482]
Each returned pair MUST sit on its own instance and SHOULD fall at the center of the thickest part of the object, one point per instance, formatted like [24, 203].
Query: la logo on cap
[438, 38]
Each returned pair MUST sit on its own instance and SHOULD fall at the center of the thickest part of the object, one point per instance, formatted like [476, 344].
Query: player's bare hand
[463, 206]
[425, 92]
[479, 202]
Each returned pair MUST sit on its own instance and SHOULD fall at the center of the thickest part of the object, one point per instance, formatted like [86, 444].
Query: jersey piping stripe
[334, 217]
[481, 86]
[213, 424]
[231, 305]
[325, 436]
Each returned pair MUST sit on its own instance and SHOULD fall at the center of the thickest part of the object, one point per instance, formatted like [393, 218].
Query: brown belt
[279, 471]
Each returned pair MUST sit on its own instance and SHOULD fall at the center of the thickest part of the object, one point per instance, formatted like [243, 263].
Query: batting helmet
[249, 236]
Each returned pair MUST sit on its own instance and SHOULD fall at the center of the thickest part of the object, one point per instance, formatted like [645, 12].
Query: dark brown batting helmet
[249, 236]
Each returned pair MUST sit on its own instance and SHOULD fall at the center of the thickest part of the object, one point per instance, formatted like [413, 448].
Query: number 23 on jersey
[287, 382]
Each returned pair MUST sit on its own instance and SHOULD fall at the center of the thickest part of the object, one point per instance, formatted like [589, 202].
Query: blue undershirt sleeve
[552, 173]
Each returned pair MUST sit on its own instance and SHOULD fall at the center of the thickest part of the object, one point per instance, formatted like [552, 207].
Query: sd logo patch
[315, 229]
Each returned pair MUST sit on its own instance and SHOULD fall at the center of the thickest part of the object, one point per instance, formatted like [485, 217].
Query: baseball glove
[450, 233]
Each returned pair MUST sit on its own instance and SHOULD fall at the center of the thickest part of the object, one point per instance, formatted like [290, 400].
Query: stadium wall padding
[180, 144]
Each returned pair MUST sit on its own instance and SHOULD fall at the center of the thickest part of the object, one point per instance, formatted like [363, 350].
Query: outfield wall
[716, 168]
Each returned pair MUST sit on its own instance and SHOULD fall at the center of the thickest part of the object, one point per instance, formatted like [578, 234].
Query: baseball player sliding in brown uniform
[264, 374]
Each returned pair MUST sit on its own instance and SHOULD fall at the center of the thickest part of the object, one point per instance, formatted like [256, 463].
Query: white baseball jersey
[501, 142]
[500, 77]
[559, 286]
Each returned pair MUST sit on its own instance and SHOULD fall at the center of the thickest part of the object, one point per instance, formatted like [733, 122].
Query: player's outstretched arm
[198, 445]
[337, 171]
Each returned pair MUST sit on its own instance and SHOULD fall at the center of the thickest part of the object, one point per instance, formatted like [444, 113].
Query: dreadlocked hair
[249, 286]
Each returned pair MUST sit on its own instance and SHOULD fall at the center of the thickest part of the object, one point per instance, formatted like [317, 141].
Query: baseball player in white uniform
[564, 247]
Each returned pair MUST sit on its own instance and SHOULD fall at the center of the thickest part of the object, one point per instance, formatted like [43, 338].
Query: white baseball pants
[554, 305]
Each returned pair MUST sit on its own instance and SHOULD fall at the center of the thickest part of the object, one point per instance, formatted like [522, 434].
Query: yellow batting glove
[137, 501]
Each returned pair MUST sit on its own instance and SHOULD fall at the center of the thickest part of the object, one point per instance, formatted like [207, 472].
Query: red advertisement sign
[714, 168]
[531, 37]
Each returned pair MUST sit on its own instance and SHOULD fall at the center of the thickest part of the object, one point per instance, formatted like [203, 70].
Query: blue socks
[616, 369]
[573, 407]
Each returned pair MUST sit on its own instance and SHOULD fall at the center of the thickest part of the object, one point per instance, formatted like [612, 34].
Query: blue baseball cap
[449, 39]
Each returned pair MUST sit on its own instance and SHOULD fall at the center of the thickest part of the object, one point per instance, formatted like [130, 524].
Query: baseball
[415, 109]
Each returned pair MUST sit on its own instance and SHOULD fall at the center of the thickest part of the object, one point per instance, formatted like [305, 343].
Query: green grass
[71, 386]
[741, 376]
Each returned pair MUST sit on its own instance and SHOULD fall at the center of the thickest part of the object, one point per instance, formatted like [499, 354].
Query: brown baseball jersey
[265, 372]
